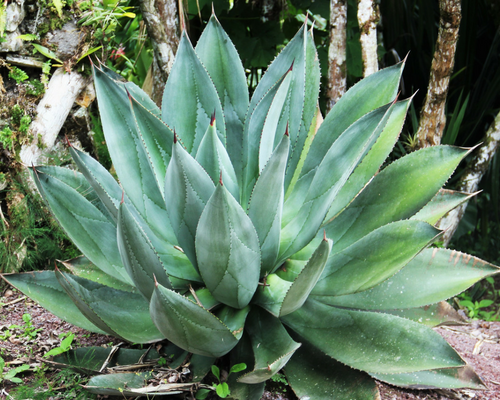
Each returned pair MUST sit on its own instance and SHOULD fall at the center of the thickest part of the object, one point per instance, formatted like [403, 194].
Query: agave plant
[250, 227]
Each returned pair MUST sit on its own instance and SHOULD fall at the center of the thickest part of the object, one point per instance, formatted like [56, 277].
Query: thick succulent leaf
[272, 131]
[103, 183]
[443, 202]
[433, 275]
[190, 98]
[137, 93]
[441, 378]
[271, 344]
[374, 258]
[300, 107]
[82, 267]
[398, 192]
[433, 315]
[203, 297]
[138, 254]
[84, 218]
[372, 342]
[382, 87]
[227, 249]
[44, 288]
[129, 157]
[287, 291]
[157, 139]
[189, 325]
[243, 353]
[373, 160]
[266, 205]
[187, 190]
[220, 58]
[254, 124]
[307, 207]
[122, 314]
[213, 157]
[312, 374]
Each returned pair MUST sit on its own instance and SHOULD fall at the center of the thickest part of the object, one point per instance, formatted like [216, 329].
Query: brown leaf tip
[220, 179]
[291, 66]
[212, 119]
[156, 282]
[286, 130]
[123, 197]
[175, 137]
[324, 235]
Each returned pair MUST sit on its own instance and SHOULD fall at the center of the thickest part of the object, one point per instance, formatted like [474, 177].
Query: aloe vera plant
[244, 226]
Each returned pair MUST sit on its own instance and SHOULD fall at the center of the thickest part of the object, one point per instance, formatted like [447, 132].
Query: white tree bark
[52, 111]
[469, 182]
[336, 85]
[432, 116]
[368, 17]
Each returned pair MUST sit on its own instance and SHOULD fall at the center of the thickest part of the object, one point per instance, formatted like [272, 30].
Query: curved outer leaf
[122, 314]
[187, 190]
[443, 202]
[100, 179]
[227, 249]
[372, 342]
[190, 98]
[373, 160]
[82, 267]
[220, 58]
[433, 315]
[138, 254]
[281, 297]
[137, 93]
[382, 87]
[271, 344]
[433, 275]
[157, 139]
[374, 258]
[213, 157]
[190, 326]
[312, 374]
[398, 192]
[448, 378]
[266, 205]
[129, 157]
[306, 209]
[88, 225]
[43, 287]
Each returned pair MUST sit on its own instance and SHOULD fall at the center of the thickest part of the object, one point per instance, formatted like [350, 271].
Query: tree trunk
[368, 17]
[52, 111]
[432, 116]
[469, 182]
[161, 18]
[336, 85]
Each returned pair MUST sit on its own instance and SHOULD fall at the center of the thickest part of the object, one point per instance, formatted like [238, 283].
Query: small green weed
[7, 138]
[35, 88]
[10, 375]
[27, 330]
[221, 388]
[67, 340]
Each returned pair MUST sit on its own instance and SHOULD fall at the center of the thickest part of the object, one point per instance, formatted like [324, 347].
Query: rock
[66, 40]
[15, 15]
[12, 43]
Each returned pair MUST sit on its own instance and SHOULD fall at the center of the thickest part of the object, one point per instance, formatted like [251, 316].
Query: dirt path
[478, 343]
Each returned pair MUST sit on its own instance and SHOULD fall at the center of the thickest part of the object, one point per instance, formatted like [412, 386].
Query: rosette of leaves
[250, 227]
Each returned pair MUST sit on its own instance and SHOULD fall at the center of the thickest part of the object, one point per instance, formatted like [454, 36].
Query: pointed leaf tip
[175, 137]
[212, 119]
[156, 282]
[286, 130]
[220, 179]
[324, 235]
[123, 197]
[291, 66]
[68, 143]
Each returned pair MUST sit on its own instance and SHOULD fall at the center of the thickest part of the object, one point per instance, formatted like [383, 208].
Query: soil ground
[478, 343]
